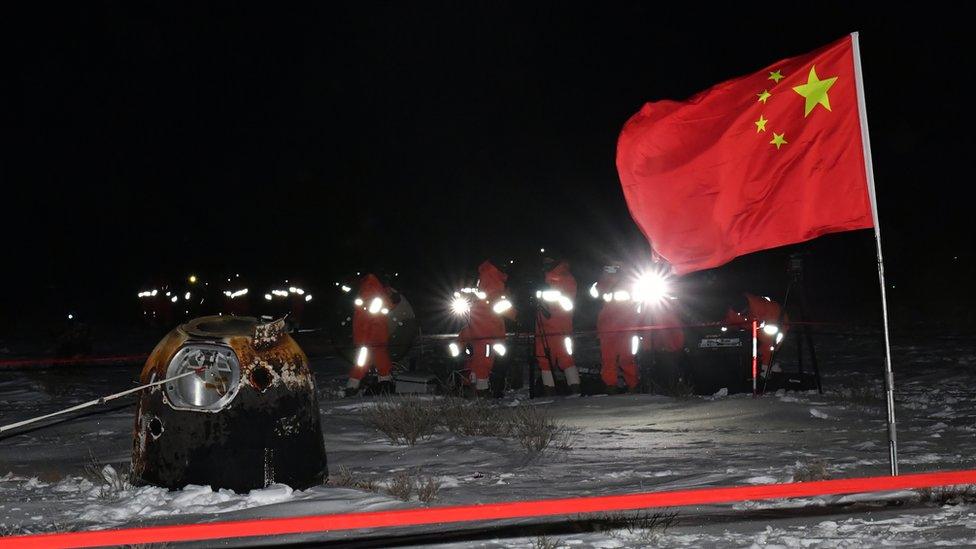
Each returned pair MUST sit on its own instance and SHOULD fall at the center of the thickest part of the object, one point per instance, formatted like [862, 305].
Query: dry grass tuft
[404, 420]
[814, 470]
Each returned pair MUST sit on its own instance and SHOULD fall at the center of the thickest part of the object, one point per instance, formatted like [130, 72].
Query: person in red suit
[773, 324]
[554, 326]
[371, 335]
[616, 329]
[485, 331]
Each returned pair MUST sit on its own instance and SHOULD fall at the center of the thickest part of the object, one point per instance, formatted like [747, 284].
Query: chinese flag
[765, 160]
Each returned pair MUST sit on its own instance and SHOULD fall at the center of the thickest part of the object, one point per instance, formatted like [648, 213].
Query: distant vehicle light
[771, 329]
[346, 289]
[358, 302]
[308, 297]
[267, 296]
[500, 349]
[455, 351]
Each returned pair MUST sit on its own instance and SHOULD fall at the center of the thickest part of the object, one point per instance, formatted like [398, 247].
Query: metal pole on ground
[869, 171]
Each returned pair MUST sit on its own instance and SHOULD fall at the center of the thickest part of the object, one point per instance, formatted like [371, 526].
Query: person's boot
[574, 389]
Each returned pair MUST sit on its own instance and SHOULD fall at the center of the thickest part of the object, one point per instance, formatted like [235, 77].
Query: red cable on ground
[488, 511]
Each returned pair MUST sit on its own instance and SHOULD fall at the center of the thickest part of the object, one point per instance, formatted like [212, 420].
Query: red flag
[765, 160]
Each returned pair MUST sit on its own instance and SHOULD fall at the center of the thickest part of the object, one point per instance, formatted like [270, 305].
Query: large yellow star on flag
[815, 91]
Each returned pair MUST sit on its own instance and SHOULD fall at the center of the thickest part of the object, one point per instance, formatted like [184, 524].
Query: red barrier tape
[79, 361]
[490, 511]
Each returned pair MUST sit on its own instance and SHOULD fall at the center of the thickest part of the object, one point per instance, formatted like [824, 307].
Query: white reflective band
[608, 297]
[361, 357]
[779, 337]
[346, 289]
[634, 344]
[724, 329]
[455, 350]
[551, 296]
[566, 303]
[771, 329]
[500, 349]
[308, 297]
[547, 378]
[480, 294]
[385, 311]
[375, 305]
[487, 350]
[572, 376]
[594, 293]
[621, 295]
[568, 342]
[501, 306]
[358, 302]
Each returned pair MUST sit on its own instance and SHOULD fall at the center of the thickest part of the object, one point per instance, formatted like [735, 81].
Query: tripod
[541, 313]
[795, 270]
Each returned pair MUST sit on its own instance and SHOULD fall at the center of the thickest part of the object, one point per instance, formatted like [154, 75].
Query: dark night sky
[420, 136]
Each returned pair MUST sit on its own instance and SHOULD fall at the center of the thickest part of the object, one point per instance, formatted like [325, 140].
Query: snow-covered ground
[626, 443]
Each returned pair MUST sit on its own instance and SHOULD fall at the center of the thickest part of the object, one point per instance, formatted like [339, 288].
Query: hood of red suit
[490, 279]
[371, 286]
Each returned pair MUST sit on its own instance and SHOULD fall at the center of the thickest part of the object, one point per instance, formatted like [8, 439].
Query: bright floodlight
[460, 306]
[651, 287]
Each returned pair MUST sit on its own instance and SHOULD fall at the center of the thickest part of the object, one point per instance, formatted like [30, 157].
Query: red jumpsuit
[370, 331]
[556, 332]
[766, 312]
[486, 325]
[669, 340]
[615, 327]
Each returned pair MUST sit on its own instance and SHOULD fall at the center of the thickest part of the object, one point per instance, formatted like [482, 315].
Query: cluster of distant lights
[285, 293]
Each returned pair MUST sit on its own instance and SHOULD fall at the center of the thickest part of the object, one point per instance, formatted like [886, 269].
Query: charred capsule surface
[238, 411]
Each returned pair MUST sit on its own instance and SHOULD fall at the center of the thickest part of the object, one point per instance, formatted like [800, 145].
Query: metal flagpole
[869, 170]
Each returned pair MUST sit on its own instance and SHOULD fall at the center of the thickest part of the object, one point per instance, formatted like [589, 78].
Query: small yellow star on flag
[778, 140]
[776, 76]
[764, 96]
[815, 91]
[760, 124]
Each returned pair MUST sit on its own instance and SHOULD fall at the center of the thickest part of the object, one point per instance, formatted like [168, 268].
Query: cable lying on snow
[101, 400]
